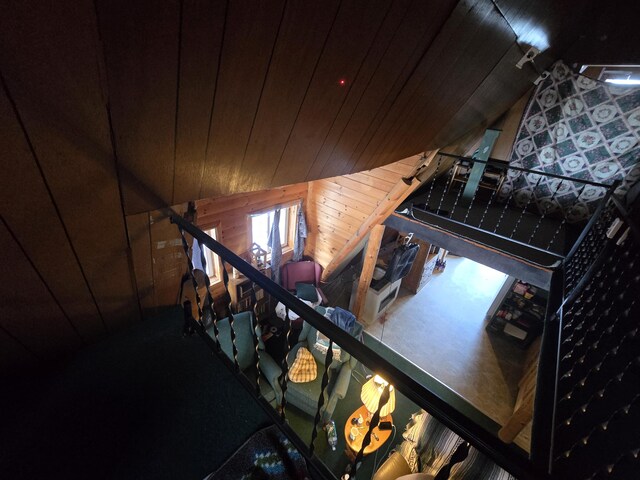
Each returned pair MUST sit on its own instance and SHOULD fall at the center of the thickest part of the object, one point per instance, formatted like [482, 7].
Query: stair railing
[507, 456]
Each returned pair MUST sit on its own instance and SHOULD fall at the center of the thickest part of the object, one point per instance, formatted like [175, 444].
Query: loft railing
[590, 329]
[507, 202]
[597, 393]
[487, 443]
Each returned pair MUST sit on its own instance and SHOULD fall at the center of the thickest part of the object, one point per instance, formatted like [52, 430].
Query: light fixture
[371, 393]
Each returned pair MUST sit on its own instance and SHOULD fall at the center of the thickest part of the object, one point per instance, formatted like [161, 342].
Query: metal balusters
[524, 209]
[433, 181]
[232, 332]
[323, 387]
[254, 339]
[547, 208]
[459, 454]
[209, 300]
[603, 426]
[486, 209]
[185, 247]
[563, 221]
[375, 420]
[285, 365]
[473, 198]
[455, 203]
[598, 396]
[445, 189]
[504, 210]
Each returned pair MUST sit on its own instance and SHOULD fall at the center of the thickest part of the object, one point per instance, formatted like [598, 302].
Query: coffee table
[378, 437]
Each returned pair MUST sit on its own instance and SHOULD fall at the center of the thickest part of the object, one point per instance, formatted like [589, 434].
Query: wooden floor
[442, 331]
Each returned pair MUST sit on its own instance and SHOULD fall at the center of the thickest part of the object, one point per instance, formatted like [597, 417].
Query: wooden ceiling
[189, 99]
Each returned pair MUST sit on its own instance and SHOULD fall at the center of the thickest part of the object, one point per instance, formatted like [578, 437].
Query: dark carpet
[145, 403]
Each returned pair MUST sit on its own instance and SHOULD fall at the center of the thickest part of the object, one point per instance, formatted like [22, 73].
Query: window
[214, 265]
[621, 75]
[261, 226]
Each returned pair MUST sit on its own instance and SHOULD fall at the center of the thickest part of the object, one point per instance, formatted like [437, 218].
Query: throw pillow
[304, 367]
[322, 345]
[306, 291]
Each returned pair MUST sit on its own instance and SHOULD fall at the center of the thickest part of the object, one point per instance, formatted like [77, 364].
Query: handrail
[504, 455]
[314, 461]
[506, 166]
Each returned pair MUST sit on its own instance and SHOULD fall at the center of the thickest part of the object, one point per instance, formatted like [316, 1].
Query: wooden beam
[370, 257]
[389, 203]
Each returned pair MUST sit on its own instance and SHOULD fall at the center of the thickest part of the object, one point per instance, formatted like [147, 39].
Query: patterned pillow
[304, 368]
[322, 345]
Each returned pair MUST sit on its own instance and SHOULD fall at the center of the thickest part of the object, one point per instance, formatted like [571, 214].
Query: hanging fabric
[301, 234]
[276, 247]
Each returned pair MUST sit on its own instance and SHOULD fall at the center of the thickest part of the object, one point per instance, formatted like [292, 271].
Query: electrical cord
[376, 465]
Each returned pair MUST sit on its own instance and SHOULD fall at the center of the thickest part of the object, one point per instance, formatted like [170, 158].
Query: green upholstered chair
[245, 328]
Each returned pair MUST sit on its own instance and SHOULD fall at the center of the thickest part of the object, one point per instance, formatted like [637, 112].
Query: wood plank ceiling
[116, 107]
[192, 99]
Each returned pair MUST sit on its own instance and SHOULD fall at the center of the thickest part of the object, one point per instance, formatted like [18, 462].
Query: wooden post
[370, 257]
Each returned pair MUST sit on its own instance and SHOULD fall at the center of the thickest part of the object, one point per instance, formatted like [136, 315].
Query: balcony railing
[530, 208]
[506, 456]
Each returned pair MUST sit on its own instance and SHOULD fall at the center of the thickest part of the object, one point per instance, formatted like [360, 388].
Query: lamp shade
[371, 393]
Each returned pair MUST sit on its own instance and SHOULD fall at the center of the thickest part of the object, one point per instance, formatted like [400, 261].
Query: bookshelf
[520, 316]
[240, 292]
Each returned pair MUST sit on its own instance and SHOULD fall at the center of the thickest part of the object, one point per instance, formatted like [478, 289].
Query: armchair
[305, 272]
[305, 395]
[243, 326]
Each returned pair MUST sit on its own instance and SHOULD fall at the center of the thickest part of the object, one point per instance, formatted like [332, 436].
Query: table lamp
[371, 392]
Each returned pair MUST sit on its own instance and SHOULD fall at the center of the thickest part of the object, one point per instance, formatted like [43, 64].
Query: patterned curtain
[301, 235]
[580, 128]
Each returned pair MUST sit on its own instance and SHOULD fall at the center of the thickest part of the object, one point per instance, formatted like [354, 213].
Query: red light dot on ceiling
[342, 81]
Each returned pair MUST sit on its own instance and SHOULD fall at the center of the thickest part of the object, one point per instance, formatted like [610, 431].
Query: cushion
[322, 344]
[304, 367]
[306, 291]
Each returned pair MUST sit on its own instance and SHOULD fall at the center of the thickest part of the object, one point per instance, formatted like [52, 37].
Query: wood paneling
[395, 65]
[455, 49]
[29, 210]
[338, 207]
[29, 312]
[139, 231]
[202, 24]
[52, 71]
[301, 40]
[157, 251]
[119, 107]
[250, 33]
[140, 42]
[353, 36]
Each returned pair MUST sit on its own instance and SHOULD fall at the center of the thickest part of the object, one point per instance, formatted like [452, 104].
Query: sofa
[427, 446]
[305, 395]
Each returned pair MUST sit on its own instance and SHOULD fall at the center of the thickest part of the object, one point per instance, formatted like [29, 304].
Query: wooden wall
[189, 99]
[338, 206]
[65, 273]
[113, 108]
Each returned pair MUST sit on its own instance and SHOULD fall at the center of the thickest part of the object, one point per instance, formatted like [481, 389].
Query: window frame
[292, 215]
[213, 259]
